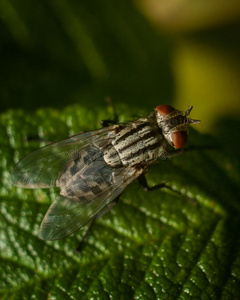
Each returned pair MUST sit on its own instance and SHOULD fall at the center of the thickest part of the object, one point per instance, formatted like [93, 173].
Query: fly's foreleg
[177, 152]
[100, 214]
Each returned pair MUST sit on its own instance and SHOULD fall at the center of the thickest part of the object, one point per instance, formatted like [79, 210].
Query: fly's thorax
[138, 143]
[111, 156]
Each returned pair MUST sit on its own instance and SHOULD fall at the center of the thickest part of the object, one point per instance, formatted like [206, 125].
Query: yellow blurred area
[185, 15]
[209, 79]
[206, 56]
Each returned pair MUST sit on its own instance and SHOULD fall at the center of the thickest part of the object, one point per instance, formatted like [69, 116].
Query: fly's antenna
[192, 121]
[188, 111]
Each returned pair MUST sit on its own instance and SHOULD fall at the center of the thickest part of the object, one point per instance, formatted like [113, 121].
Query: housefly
[92, 169]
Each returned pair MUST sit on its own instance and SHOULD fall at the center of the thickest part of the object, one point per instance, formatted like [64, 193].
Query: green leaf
[182, 243]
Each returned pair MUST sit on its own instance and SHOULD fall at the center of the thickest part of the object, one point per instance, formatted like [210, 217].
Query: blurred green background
[142, 53]
[54, 53]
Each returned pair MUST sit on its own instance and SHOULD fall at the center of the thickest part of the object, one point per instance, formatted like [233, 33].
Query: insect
[93, 168]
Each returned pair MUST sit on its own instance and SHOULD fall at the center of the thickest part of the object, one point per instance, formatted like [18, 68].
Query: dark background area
[141, 53]
[54, 53]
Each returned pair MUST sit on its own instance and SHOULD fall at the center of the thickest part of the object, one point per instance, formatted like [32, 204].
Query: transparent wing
[68, 214]
[43, 167]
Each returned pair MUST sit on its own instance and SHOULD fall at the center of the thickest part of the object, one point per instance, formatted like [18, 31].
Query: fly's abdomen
[137, 143]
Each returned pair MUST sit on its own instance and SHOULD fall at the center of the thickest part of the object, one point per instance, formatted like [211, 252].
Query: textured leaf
[179, 244]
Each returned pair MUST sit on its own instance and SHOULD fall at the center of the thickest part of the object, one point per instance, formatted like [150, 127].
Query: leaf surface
[182, 243]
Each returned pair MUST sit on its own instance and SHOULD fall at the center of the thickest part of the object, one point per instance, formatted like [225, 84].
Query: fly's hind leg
[100, 214]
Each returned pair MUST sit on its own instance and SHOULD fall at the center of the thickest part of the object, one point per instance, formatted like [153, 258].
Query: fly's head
[174, 124]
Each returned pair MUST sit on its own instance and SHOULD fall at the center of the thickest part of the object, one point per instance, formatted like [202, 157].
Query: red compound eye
[179, 139]
[164, 110]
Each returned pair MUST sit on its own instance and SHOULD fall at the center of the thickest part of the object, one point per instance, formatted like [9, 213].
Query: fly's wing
[43, 167]
[91, 191]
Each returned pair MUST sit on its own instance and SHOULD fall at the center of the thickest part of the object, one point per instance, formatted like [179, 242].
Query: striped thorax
[147, 139]
[139, 142]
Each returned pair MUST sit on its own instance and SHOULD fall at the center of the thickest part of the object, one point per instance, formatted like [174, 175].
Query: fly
[92, 169]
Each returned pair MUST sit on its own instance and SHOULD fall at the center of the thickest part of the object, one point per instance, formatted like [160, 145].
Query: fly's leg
[106, 123]
[115, 120]
[170, 154]
[177, 152]
[100, 214]
[143, 182]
